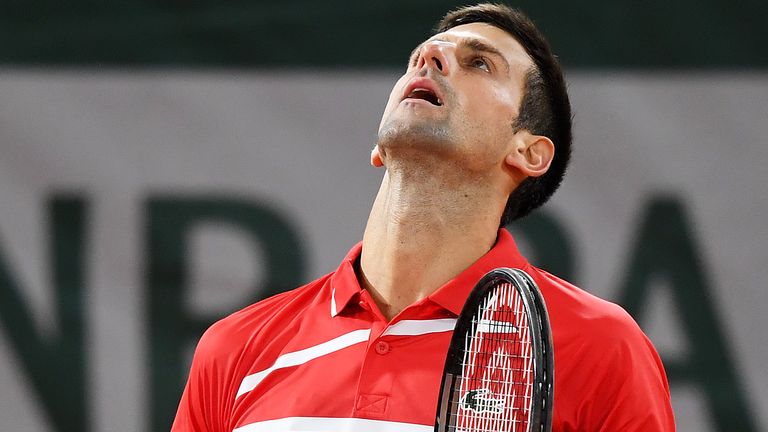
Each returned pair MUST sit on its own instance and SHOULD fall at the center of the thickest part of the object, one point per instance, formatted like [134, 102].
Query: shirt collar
[344, 283]
[345, 286]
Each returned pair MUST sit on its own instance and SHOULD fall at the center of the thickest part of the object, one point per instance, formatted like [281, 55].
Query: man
[476, 133]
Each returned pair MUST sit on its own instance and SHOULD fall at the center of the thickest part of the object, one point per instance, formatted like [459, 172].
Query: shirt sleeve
[207, 396]
[631, 394]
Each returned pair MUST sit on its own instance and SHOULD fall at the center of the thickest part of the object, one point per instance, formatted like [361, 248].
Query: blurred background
[164, 163]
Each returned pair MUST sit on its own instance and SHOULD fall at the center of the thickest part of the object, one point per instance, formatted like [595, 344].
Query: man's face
[459, 96]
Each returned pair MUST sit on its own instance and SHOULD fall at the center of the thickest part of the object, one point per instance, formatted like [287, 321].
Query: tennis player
[476, 133]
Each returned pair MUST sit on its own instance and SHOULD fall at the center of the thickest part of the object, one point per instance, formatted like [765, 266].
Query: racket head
[499, 370]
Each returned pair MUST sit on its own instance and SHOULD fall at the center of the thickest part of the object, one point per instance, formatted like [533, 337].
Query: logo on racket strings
[480, 401]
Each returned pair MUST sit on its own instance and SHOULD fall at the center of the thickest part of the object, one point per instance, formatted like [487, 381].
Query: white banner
[692, 145]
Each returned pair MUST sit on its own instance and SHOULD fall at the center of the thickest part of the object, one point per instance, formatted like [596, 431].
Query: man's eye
[480, 63]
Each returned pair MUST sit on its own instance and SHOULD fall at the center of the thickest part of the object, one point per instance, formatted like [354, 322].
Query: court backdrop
[138, 207]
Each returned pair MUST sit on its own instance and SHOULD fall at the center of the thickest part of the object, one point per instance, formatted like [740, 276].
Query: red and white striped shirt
[322, 358]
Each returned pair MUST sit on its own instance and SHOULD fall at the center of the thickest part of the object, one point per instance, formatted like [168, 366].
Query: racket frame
[541, 337]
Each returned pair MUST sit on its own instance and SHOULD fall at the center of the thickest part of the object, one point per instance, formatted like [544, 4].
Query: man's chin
[426, 136]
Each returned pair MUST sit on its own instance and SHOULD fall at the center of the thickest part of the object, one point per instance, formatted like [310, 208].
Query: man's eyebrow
[478, 45]
[471, 43]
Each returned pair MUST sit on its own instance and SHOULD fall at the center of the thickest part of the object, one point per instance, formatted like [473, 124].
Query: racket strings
[497, 381]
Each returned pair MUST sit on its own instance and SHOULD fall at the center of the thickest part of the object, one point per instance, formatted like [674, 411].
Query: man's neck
[422, 233]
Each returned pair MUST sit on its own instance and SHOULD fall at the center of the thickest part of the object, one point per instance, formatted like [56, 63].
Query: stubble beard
[416, 139]
[422, 156]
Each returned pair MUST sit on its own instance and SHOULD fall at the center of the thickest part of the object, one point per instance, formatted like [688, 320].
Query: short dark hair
[545, 108]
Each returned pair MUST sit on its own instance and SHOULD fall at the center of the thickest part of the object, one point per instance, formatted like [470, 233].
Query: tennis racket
[498, 374]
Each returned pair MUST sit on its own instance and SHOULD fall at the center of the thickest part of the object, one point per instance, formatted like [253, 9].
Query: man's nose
[436, 55]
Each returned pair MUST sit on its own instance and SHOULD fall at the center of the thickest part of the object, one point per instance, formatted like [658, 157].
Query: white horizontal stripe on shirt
[325, 424]
[420, 327]
[300, 357]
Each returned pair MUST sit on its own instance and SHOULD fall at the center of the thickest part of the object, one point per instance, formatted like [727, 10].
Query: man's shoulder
[233, 332]
[590, 332]
[579, 311]
[605, 365]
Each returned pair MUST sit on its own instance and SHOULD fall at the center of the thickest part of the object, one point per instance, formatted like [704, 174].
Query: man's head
[487, 94]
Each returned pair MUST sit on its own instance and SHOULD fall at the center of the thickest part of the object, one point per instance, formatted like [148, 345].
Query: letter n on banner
[55, 364]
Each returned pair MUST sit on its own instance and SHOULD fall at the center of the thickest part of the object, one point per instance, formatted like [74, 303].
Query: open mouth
[425, 94]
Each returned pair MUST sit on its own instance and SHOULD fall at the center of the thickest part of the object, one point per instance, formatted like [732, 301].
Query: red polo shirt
[322, 358]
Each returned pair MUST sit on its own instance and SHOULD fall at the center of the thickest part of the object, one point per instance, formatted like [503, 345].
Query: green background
[653, 34]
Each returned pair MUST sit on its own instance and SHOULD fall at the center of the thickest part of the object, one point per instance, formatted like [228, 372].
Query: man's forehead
[487, 34]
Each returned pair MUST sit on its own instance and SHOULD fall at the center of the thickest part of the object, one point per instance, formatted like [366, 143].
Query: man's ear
[531, 154]
[376, 157]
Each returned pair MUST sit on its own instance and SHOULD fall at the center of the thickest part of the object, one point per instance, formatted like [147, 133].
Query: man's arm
[631, 392]
[207, 395]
